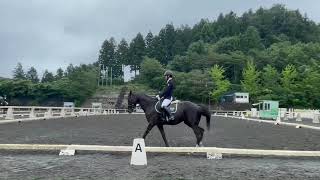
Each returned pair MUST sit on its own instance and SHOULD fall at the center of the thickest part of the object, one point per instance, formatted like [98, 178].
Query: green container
[268, 109]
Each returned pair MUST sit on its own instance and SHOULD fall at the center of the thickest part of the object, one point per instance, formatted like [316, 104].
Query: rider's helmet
[168, 73]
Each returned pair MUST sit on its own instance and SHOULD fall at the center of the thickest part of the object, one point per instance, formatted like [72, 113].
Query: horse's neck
[146, 102]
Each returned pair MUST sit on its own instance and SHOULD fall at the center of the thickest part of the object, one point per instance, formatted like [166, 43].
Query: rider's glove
[158, 97]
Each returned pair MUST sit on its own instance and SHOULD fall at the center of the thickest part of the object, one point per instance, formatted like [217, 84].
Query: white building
[68, 104]
[241, 97]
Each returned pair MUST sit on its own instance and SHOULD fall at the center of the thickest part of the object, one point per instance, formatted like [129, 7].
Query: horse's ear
[130, 92]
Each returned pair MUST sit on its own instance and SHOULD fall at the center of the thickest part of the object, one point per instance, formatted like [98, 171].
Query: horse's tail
[205, 112]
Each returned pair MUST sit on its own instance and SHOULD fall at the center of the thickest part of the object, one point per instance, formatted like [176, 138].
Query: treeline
[230, 39]
[74, 84]
[282, 45]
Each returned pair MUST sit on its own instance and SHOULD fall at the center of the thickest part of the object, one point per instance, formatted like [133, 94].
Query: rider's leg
[163, 111]
[165, 106]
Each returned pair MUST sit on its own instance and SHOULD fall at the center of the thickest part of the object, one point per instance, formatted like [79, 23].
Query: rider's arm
[168, 89]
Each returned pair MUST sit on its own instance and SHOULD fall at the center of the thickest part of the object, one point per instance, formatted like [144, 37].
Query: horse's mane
[144, 96]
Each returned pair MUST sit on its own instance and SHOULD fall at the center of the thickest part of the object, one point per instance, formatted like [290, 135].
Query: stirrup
[171, 118]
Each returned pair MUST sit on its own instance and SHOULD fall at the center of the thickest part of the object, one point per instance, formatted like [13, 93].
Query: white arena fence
[20, 113]
[8, 113]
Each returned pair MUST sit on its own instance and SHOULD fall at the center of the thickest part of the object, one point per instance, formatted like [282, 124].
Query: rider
[167, 95]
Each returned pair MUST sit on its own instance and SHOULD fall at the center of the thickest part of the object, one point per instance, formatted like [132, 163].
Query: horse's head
[132, 101]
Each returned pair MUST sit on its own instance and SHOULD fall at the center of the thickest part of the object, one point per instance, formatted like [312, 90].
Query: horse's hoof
[197, 145]
[201, 144]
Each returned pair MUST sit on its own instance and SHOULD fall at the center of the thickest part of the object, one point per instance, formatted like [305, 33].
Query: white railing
[35, 112]
[31, 112]
[231, 113]
[284, 115]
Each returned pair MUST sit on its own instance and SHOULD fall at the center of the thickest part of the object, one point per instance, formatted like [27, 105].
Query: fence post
[48, 114]
[62, 113]
[298, 117]
[81, 112]
[9, 115]
[315, 118]
[72, 111]
[32, 114]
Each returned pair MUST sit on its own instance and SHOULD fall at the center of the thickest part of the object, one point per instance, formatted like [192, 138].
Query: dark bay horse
[187, 112]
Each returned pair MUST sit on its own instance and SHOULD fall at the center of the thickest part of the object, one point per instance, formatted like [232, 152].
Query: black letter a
[138, 145]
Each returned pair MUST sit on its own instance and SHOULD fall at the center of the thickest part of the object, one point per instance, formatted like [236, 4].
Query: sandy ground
[121, 129]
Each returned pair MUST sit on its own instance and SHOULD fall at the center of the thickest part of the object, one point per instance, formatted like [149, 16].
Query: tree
[289, 86]
[47, 77]
[32, 75]
[228, 44]
[59, 74]
[122, 52]
[70, 69]
[181, 63]
[270, 82]
[136, 52]
[250, 40]
[221, 84]
[18, 72]
[109, 59]
[250, 82]
[167, 38]
[190, 86]
[310, 88]
[151, 73]
[107, 52]
[149, 45]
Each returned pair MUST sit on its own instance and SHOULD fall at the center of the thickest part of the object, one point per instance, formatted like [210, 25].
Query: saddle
[173, 106]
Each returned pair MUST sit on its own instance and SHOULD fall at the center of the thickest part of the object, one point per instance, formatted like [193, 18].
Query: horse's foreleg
[150, 126]
[163, 135]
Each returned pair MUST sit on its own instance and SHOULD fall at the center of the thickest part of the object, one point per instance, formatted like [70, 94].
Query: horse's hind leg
[198, 131]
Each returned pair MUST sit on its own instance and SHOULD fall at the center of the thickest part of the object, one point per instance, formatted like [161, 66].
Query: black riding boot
[168, 112]
[163, 114]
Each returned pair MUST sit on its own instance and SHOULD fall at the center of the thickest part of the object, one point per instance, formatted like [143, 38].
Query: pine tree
[47, 77]
[149, 45]
[107, 52]
[136, 52]
[18, 72]
[122, 52]
[32, 75]
[59, 74]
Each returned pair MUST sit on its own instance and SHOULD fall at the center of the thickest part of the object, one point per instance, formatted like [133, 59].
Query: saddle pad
[173, 106]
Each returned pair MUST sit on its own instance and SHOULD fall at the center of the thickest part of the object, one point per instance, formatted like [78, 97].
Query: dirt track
[120, 130]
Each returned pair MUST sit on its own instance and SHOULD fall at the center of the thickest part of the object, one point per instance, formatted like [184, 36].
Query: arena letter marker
[67, 152]
[138, 156]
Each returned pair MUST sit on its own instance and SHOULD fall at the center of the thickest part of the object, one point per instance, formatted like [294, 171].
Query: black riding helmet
[168, 73]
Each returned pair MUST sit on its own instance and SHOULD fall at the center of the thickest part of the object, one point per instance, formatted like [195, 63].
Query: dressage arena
[121, 129]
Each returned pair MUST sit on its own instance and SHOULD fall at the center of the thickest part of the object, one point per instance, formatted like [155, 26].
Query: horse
[187, 112]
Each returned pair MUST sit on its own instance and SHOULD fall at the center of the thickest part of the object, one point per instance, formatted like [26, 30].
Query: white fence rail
[36, 112]
[32, 112]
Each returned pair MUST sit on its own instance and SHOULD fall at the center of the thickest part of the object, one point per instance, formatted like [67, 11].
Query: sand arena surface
[121, 129]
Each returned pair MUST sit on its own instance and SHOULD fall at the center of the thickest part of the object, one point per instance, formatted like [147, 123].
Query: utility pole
[111, 76]
[99, 74]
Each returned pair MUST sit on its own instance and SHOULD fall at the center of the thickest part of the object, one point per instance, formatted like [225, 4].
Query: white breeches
[165, 102]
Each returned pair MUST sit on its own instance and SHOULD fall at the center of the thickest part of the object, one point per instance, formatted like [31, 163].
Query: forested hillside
[270, 53]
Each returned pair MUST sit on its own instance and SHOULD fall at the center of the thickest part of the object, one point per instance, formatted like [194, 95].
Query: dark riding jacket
[168, 92]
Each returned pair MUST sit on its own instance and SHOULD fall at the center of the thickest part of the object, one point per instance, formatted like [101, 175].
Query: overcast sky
[49, 34]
